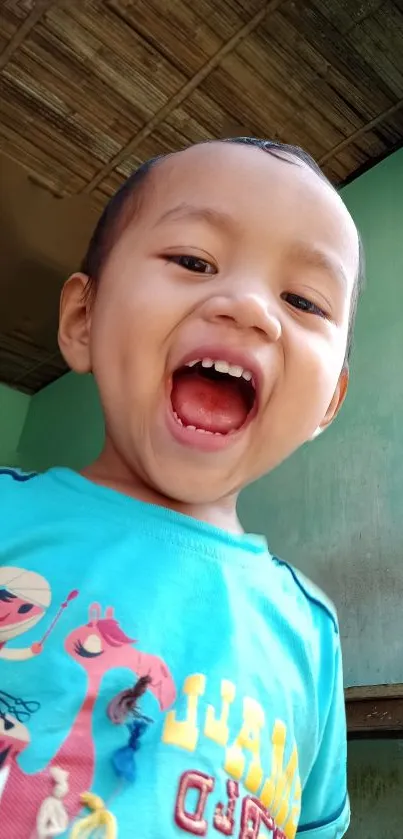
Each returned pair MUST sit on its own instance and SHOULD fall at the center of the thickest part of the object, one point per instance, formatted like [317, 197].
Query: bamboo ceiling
[90, 89]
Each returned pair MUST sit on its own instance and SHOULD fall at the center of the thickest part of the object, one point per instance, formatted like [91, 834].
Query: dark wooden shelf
[374, 711]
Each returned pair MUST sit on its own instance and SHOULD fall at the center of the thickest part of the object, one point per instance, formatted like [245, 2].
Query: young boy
[181, 673]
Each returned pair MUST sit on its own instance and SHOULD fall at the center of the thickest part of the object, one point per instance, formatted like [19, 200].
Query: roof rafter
[41, 6]
[184, 92]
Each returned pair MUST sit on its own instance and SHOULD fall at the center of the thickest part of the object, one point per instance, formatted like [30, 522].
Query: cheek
[132, 324]
[316, 360]
[306, 386]
[116, 333]
[19, 617]
[127, 362]
[4, 609]
[128, 318]
[318, 371]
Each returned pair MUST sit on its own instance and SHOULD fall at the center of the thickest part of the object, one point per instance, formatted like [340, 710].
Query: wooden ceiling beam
[48, 358]
[185, 91]
[361, 131]
[41, 6]
[374, 712]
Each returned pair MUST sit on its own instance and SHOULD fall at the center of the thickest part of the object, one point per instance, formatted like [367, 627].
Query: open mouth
[212, 397]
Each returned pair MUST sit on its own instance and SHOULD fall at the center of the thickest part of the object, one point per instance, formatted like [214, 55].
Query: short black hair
[126, 201]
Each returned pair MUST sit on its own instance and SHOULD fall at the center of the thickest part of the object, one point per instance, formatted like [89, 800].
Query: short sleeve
[325, 810]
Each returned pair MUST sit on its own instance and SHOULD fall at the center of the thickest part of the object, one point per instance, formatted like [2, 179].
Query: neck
[109, 471]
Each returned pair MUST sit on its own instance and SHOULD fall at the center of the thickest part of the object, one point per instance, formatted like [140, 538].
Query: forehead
[265, 196]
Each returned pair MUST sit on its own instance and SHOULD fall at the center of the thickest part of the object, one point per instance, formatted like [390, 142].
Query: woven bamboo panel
[91, 88]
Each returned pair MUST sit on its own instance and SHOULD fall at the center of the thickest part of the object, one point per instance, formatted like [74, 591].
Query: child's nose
[245, 311]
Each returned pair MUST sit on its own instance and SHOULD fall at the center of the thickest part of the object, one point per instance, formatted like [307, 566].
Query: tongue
[216, 406]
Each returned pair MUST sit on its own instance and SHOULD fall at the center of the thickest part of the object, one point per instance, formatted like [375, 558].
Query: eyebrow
[216, 218]
[310, 255]
[316, 258]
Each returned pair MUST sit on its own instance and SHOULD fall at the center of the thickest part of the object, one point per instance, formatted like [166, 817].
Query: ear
[336, 403]
[109, 612]
[94, 612]
[75, 324]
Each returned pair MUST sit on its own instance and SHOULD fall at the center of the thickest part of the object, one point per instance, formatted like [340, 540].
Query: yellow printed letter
[185, 734]
[248, 738]
[217, 729]
[290, 828]
[278, 742]
[282, 791]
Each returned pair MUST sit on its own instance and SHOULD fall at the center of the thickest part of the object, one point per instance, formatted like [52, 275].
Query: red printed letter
[193, 822]
[253, 817]
[224, 819]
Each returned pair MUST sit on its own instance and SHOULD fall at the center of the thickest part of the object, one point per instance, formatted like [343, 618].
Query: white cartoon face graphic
[24, 598]
[16, 615]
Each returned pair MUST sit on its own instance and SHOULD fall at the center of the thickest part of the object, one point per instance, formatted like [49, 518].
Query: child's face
[235, 256]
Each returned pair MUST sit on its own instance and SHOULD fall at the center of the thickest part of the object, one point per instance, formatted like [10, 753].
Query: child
[173, 667]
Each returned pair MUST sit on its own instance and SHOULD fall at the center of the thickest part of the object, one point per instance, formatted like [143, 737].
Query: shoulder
[15, 486]
[12, 478]
[17, 475]
[309, 596]
[311, 617]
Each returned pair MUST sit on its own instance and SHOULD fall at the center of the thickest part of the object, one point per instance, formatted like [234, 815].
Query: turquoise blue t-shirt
[245, 731]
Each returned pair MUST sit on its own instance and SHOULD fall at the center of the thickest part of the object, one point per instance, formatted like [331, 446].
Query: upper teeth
[223, 367]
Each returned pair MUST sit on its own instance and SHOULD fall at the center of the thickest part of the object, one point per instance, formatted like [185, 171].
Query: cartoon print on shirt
[25, 597]
[20, 708]
[256, 796]
[15, 712]
[101, 645]
[98, 647]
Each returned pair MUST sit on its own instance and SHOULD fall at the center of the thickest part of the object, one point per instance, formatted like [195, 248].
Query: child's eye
[193, 263]
[303, 304]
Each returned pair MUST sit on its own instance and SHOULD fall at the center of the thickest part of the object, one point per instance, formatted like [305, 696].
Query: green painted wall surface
[64, 425]
[375, 785]
[13, 412]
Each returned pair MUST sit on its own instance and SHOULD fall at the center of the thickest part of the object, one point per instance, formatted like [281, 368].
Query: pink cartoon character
[101, 645]
[25, 597]
[98, 647]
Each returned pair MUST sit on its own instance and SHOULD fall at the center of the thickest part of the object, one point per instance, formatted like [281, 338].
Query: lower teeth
[199, 430]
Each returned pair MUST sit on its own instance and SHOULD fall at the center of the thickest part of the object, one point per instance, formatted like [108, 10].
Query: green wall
[13, 413]
[375, 785]
[64, 425]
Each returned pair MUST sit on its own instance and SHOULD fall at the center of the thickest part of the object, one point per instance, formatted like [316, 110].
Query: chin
[180, 494]
[191, 488]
